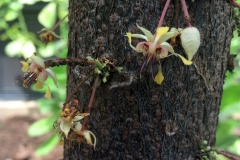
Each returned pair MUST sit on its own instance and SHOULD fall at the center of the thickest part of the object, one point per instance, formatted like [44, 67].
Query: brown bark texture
[133, 117]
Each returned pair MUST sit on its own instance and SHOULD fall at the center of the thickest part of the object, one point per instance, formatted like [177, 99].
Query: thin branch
[163, 13]
[228, 155]
[56, 25]
[185, 10]
[68, 61]
[76, 89]
[90, 102]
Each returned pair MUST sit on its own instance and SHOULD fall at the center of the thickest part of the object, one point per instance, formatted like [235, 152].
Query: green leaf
[14, 48]
[28, 49]
[230, 95]
[47, 16]
[46, 106]
[48, 145]
[10, 15]
[41, 126]
[224, 137]
[47, 51]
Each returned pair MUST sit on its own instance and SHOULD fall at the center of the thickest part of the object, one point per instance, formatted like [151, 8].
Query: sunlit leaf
[230, 95]
[28, 49]
[14, 48]
[10, 15]
[47, 16]
[41, 126]
[47, 51]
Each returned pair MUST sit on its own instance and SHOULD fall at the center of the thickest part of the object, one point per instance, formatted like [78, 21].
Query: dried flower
[47, 36]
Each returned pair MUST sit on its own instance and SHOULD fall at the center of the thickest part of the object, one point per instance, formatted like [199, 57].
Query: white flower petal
[39, 61]
[86, 134]
[167, 36]
[139, 36]
[78, 126]
[148, 34]
[52, 74]
[65, 126]
[168, 47]
[77, 118]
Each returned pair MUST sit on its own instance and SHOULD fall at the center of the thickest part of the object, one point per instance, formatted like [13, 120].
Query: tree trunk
[133, 117]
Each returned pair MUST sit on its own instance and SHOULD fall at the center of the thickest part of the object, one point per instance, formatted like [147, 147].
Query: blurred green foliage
[24, 42]
[228, 131]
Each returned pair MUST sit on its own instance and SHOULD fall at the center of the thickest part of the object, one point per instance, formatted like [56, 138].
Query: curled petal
[87, 136]
[25, 66]
[78, 118]
[168, 47]
[163, 54]
[38, 85]
[129, 35]
[43, 76]
[159, 77]
[185, 61]
[39, 61]
[141, 47]
[139, 36]
[78, 126]
[147, 33]
[34, 67]
[167, 36]
[53, 75]
[65, 126]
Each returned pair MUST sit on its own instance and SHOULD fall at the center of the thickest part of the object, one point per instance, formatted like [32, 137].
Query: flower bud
[190, 38]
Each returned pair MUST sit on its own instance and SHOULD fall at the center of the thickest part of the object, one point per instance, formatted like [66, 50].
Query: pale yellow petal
[88, 138]
[147, 33]
[185, 61]
[65, 127]
[129, 35]
[167, 36]
[25, 66]
[161, 31]
[38, 85]
[48, 93]
[159, 77]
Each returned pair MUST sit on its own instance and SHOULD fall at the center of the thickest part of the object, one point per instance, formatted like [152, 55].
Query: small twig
[228, 155]
[56, 25]
[90, 102]
[76, 89]
[204, 78]
[234, 2]
[185, 10]
[163, 13]
[68, 61]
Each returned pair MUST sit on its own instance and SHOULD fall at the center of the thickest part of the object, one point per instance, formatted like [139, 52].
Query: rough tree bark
[144, 120]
